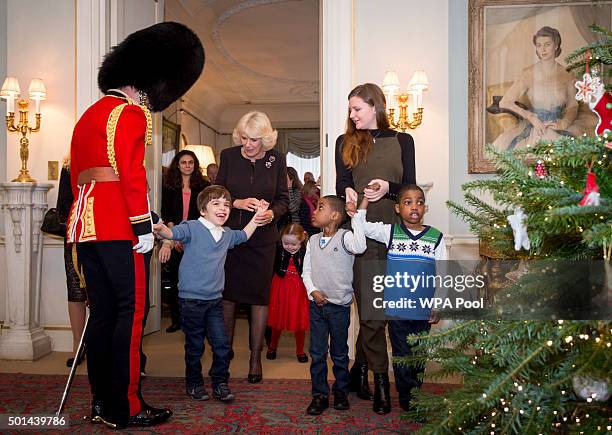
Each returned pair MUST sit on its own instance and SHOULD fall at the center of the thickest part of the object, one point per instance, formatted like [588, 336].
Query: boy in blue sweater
[201, 280]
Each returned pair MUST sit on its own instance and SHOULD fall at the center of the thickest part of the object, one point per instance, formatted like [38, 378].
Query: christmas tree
[533, 376]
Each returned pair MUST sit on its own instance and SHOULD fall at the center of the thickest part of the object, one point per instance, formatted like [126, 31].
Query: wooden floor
[166, 357]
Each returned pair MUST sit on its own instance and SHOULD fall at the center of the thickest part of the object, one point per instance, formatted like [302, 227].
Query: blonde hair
[256, 125]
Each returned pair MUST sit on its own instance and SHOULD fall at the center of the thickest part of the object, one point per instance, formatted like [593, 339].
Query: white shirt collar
[215, 230]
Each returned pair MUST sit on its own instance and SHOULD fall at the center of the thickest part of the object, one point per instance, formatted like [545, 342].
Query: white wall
[394, 35]
[458, 108]
[40, 43]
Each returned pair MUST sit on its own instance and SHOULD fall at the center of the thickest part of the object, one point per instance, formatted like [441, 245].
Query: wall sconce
[10, 92]
[410, 103]
[204, 153]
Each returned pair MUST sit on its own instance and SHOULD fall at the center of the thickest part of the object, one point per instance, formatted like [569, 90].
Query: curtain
[302, 165]
[302, 143]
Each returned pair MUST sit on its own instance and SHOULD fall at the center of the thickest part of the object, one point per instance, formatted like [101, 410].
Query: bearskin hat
[163, 60]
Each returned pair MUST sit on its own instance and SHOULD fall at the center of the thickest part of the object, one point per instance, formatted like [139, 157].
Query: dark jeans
[329, 322]
[406, 377]
[200, 320]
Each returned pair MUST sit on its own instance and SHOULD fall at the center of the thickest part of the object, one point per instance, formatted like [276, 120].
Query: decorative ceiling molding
[303, 88]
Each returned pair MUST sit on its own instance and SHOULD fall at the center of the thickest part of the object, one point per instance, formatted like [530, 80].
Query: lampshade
[38, 90]
[10, 88]
[204, 153]
[391, 82]
[418, 81]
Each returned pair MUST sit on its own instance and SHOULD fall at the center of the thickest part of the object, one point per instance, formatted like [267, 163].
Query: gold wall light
[10, 92]
[410, 103]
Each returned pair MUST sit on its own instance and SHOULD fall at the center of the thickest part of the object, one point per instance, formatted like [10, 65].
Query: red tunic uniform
[111, 133]
[110, 211]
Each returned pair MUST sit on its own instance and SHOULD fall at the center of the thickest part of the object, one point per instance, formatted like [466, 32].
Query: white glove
[145, 243]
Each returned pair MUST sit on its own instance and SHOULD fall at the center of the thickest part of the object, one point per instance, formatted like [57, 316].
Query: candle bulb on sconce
[410, 103]
[10, 92]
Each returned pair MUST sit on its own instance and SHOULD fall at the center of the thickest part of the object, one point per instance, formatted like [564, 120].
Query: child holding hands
[413, 248]
[201, 281]
[328, 277]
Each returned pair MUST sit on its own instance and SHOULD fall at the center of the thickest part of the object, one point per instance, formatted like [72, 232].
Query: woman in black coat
[256, 176]
[182, 184]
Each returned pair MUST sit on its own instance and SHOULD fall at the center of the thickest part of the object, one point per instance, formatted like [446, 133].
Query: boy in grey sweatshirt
[328, 277]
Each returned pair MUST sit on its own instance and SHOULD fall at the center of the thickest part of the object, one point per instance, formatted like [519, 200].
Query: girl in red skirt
[288, 309]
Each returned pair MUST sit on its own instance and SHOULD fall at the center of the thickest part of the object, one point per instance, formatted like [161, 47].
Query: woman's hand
[165, 252]
[263, 217]
[376, 189]
[178, 246]
[351, 195]
[538, 126]
[248, 204]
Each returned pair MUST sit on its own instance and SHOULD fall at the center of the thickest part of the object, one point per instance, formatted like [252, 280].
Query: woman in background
[180, 188]
[75, 283]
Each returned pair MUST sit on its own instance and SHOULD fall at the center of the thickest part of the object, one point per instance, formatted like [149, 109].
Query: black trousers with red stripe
[116, 286]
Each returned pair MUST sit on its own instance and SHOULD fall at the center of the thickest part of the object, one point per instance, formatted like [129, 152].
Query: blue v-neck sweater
[202, 269]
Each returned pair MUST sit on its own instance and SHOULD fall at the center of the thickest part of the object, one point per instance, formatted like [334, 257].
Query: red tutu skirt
[288, 308]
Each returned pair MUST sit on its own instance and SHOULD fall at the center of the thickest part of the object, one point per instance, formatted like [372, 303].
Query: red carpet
[272, 406]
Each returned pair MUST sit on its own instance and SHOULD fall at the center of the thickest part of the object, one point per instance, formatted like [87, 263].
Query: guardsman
[110, 218]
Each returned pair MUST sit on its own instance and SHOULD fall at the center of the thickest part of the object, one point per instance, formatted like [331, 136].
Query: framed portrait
[519, 91]
[171, 134]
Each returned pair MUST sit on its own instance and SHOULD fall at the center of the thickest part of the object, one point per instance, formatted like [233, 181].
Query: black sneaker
[341, 402]
[318, 405]
[198, 393]
[223, 393]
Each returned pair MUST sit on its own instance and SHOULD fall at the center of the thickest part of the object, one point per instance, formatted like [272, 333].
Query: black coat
[172, 205]
[281, 260]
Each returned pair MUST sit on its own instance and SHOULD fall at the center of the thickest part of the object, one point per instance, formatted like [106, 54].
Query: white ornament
[589, 388]
[590, 89]
[519, 229]
[592, 199]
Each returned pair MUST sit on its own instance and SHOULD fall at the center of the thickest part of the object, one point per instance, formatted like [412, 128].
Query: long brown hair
[358, 143]
[173, 178]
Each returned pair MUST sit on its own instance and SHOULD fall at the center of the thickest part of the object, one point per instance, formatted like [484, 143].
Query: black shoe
[341, 402]
[197, 393]
[254, 379]
[173, 328]
[303, 358]
[230, 355]
[382, 398]
[405, 405]
[271, 354]
[359, 381]
[223, 393]
[150, 416]
[318, 405]
[97, 411]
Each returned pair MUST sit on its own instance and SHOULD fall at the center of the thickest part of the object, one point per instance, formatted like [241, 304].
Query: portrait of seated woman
[540, 104]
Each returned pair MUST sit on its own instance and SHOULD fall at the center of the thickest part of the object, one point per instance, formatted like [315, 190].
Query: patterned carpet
[274, 406]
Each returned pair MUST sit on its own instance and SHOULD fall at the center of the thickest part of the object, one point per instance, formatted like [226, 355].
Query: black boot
[359, 381]
[382, 398]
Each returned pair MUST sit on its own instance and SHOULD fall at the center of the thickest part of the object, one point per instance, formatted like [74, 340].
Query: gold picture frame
[501, 51]
[171, 134]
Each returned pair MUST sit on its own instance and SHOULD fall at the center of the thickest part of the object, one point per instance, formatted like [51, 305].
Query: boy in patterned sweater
[412, 248]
